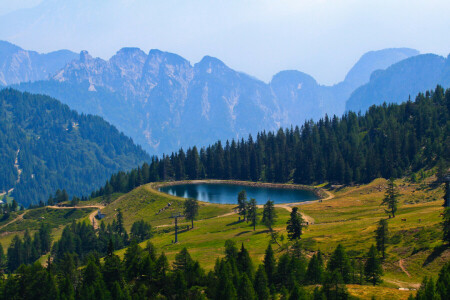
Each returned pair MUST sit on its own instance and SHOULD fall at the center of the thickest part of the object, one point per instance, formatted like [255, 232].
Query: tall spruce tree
[446, 225]
[372, 267]
[382, 236]
[253, 213]
[261, 284]
[340, 263]
[269, 214]
[191, 209]
[270, 264]
[295, 224]
[391, 198]
[242, 204]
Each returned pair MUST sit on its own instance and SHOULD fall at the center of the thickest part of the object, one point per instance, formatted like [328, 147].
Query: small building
[100, 215]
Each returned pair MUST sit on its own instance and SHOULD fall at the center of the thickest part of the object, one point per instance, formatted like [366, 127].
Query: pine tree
[269, 214]
[382, 236]
[443, 282]
[246, 290]
[261, 284]
[427, 290]
[446, 225]
[372, 267]
[242, 204]
[270, 264]
[340, 263]
[391, 198]
[252, 213]
[314, 272]
[295, 225]
[191, 210]
[244, 262]
[298, 293]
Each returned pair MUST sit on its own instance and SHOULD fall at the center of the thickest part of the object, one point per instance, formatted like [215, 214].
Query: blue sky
[323, 38]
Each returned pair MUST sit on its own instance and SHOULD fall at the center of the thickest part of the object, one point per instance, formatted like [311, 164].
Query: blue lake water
[227, 193]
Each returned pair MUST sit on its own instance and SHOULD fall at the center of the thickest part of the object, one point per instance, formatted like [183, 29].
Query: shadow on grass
[262, 231]
[242, 232]
[435, 254]
[235, 223]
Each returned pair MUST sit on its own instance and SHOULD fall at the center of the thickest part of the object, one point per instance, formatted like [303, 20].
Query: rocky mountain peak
[85, 56]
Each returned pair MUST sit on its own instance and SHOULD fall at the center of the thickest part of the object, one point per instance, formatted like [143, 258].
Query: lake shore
[319, 192]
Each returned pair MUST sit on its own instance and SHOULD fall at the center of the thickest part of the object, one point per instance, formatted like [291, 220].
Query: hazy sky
[323, 38]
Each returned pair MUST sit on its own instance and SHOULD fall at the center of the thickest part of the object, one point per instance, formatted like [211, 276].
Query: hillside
[401, 81]
[176, 104]
[45, 146]
[388, 141]
[349, 218]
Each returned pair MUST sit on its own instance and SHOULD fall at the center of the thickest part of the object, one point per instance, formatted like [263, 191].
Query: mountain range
[164, 102]
[19, 65]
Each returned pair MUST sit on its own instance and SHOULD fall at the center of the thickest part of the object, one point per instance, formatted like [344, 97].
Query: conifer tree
[372, 267]
[298, 293]
[391, 198]
[382, 236]
[443, 282]
[261, 284]
[242, 204]
[295, 225]
[270, 264]
[252, 214]
[314, 272]
[191, 210]
[269, 214]
[244, 262]
[340, 263]
[427, 290]
[446, 225]
[246, 290]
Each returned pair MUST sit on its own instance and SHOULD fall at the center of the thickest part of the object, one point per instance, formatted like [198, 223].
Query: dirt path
[400, 263]
[19, 217]
[91, 215]
[403, 284]
[289, 207]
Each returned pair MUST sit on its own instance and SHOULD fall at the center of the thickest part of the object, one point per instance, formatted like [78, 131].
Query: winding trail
[91, 215]
[19, 217]
[400, 263]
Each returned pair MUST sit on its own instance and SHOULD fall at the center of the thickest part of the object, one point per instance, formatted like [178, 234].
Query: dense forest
[388, 141]
[57, 148]
[145, 274]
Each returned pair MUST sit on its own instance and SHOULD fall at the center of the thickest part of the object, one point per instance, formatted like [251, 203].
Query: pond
[227, 193]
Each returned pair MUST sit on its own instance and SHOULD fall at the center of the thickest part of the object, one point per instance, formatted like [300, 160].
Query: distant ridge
[400, 81]
[163, 102]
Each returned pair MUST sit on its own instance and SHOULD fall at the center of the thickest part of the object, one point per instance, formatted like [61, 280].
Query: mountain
[401, 80]
[163, 102]
[44, 146]
[18, 65]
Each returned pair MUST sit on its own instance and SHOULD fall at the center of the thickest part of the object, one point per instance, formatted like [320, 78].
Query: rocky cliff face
[18, 65]
[163, 101]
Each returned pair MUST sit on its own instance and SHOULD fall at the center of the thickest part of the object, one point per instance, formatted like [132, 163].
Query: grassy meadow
[349, 218]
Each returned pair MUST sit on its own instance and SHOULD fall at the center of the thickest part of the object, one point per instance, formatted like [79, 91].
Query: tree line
[388, 141]
[79, 239]
[145, 274]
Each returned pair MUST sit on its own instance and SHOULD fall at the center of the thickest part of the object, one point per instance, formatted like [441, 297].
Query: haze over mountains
[163, 101]
[19, 65]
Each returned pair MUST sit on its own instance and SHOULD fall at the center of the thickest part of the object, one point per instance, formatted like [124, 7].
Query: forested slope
[56, 148]
[388, 141]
